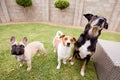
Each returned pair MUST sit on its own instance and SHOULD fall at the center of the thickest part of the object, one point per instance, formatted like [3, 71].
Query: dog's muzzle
[68, 44]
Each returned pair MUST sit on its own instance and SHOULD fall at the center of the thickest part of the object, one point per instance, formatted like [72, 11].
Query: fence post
[4, 12]
[78, 12]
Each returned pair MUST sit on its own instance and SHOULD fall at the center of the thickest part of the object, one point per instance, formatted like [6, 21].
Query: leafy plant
[24, 3]
[61, 4]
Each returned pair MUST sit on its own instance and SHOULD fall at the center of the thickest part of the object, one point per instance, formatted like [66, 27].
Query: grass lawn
[44, 67]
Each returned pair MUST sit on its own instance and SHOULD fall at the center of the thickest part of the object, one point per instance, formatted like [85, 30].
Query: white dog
[62, 45]
[24, 52]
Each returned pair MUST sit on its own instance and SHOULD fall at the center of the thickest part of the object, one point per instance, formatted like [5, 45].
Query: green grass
[44, 67]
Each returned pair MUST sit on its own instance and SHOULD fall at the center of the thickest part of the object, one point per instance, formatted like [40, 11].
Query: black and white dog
[85, 46]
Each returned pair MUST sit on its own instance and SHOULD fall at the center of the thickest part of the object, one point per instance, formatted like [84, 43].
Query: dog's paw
[72, 63]
[21, 65]
[54, 51]
[58, 67]
[28, 69]
[82, 73]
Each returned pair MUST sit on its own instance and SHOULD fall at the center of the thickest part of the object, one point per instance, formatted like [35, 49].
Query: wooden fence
[44, 11]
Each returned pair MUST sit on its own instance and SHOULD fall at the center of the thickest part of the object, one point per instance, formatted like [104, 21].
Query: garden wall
[44, 11]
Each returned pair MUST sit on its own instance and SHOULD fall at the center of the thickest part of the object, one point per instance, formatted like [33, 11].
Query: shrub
[24, 3]
[61, 4]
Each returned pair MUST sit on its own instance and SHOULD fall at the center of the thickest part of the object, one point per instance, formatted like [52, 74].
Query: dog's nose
[17, 52]
[101, 20]
[68, 44]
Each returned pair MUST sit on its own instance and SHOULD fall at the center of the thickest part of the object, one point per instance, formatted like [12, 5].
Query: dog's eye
[14, 46]
[101, 20]
[66, 38]
[22, 46]
[71, 40]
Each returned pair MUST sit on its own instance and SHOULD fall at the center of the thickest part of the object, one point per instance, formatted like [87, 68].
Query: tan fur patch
[93, 32]
[57, 41]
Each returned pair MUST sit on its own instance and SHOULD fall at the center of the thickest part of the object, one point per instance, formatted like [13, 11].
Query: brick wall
[44, 11]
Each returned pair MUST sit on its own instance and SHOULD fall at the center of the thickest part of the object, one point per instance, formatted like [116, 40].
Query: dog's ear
[12, 40]
[62, 36]
[74, 39]
[25, 40]
[106, 25]
[88, 16]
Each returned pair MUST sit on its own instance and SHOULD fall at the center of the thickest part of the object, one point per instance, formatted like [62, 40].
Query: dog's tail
[59, 33]
[42, 49]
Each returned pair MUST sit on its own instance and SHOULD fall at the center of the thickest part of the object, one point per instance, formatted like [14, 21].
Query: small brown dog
[62, 45]
[23, 52]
